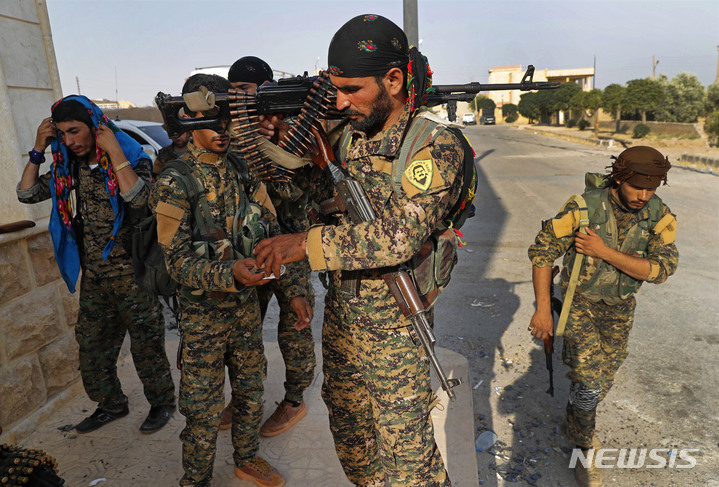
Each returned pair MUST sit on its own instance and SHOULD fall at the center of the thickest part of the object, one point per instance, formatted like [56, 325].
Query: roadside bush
[511, 118]
[570, 123]
[641, 131]
[583, 124]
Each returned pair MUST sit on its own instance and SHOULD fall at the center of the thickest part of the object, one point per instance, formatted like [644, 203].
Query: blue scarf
[63, 235]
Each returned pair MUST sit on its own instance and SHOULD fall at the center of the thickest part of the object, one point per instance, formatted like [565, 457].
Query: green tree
[509, 112]
[528, 106]
[643, 95]
[712, 98]
[684, 99]
[560, 99]
[711, 127]
[481, 102]
[613, 100]
[587, 104]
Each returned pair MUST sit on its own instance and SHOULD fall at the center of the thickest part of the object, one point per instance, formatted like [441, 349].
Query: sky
[131, 49]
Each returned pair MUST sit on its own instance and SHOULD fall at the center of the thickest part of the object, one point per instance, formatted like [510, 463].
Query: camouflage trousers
[109, 308]
[378, 393]
[595, 346]
[215, 334]
[297, 347]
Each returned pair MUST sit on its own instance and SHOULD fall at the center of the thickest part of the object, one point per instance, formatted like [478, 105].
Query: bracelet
[122, 166]
[36, 157]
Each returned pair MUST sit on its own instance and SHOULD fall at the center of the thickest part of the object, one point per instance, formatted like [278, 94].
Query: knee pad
[582, 397]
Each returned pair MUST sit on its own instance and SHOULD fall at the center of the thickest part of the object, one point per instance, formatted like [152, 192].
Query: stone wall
[38, 352]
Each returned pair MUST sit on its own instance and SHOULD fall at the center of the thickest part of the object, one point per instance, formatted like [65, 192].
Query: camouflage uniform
[165, 155]
[219, 318]
[377, 384]
[297, 347]
[597, 330]
[111, 303]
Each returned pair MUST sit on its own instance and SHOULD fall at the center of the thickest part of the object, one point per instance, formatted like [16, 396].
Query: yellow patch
[566, 225]
[666, 228]
[419, 173]
[168, 221]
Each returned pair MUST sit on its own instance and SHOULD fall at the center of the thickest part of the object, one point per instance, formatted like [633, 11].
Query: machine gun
[290, 96]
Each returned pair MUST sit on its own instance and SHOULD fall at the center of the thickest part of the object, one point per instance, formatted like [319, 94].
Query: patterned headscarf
[60, 227]
[641, 166]
[370, 45]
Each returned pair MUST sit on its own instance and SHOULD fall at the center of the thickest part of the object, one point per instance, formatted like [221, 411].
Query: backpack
[148, 260]
[431, 267]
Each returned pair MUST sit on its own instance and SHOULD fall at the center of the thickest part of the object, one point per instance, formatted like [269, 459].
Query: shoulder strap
[576, 267]
[185, 175]
[421, 132]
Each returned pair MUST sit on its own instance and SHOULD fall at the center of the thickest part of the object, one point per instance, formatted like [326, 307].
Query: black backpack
[148, 260]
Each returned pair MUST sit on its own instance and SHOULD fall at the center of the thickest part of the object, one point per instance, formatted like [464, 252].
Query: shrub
[511, 118]
[711, 127]
[571, 123]
[641, 131]
[583, 124]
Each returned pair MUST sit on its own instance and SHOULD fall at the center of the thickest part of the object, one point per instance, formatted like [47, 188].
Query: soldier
[219, 313]
[172, 151]
[377, 385]
[111, 177]
[629, 239]
[296, 345]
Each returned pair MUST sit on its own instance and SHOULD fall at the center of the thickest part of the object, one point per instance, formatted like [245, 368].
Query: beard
[379, 113]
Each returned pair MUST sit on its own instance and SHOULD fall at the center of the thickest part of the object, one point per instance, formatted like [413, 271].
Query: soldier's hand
[46, 132]
[303, 310]
[107, 141]
[245, 272]
[273, 127]
[589, 243]
[272, 252]
[542, 324]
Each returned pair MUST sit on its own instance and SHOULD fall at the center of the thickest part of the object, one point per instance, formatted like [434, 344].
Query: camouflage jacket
[404, 221]
[175, 224]
[93, 205]
[557, 236]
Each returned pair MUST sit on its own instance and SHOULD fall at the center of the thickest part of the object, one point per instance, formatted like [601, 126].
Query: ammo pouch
[431, 267]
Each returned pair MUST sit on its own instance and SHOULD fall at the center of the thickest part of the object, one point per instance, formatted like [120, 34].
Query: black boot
[99, 419]
[158, 417]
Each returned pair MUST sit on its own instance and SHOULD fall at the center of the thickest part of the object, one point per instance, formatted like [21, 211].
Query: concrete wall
[38, 353]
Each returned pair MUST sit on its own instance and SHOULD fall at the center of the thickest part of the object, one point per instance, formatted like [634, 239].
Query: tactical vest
[599, 281]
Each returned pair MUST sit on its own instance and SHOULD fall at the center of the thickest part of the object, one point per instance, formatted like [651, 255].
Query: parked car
[487, 120]
[469, 119]
[150, 135]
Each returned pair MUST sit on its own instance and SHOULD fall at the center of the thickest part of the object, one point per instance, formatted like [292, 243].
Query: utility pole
[594, 73]
[410, 22]
[654, 67]
[77, 80]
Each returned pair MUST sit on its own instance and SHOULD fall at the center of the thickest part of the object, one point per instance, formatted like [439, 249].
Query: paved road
[667, 392]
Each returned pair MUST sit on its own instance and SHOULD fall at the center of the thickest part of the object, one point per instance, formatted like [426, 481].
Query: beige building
[584, 77]
[38, 352]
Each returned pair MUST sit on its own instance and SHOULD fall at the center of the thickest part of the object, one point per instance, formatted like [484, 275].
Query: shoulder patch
[666, 228]
[419, 173]
[566, 224]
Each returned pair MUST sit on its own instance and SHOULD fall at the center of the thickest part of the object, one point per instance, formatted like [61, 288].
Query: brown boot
[588, 476]
[596, 442]
[261, 473]
[226, 417]
[284, 418]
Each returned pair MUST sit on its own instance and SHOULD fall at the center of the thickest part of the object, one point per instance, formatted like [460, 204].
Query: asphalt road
[666, 394]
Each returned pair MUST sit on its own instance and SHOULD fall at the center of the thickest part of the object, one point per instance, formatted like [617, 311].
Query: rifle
[352, 199]
[289, 96]
[549, 339]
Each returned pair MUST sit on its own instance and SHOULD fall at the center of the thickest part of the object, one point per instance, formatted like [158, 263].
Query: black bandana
[367, 45]
[250, 69]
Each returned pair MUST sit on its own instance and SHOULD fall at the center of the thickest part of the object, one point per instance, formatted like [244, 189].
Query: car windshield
[157, 133]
